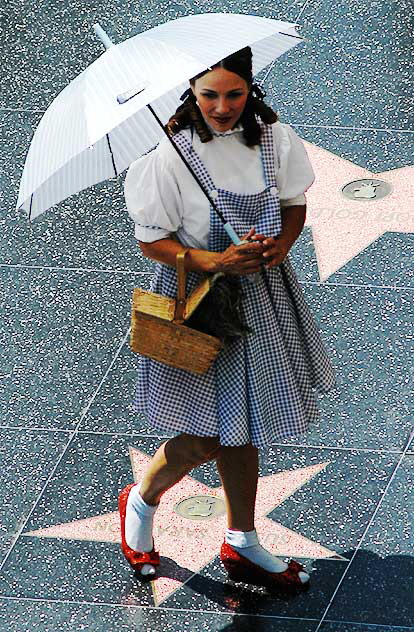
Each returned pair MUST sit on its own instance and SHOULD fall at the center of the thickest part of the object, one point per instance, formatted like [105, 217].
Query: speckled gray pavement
[342, 493]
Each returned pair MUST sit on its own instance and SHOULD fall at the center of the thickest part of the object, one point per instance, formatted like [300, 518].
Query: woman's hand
[244, 259]
[276, 249]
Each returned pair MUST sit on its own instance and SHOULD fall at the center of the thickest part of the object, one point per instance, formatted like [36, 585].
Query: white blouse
[162, 196]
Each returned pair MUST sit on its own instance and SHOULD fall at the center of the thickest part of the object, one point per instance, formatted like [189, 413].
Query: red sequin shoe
[241, 569]
[137, 559]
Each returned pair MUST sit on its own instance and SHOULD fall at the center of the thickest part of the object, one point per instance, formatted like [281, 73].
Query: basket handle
[181, 278]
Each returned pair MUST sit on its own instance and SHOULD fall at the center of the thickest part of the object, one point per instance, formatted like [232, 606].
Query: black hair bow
[257, 91]
[187, 93]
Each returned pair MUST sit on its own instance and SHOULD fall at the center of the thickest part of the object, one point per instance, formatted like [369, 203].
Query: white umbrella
[113, 112]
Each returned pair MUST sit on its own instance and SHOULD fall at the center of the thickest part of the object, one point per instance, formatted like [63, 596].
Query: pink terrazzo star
[192, 544]
[341, 227]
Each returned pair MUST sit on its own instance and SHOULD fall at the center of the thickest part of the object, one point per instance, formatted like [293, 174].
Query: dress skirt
[261, 388]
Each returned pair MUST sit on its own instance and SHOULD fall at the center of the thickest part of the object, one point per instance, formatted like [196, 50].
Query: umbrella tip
[102, 35]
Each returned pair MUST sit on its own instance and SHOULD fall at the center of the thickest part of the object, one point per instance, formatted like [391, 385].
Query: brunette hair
[189, 115]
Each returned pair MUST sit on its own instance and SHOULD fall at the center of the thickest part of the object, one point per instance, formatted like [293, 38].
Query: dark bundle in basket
[219, 314]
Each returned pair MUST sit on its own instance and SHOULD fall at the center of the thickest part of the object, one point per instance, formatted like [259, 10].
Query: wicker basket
[157, 328]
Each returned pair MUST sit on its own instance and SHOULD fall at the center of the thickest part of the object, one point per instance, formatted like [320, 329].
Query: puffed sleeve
[152, 196]
[295, 173]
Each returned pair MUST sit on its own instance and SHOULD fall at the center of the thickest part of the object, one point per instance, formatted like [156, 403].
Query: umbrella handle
[232, 233]
[255, 277]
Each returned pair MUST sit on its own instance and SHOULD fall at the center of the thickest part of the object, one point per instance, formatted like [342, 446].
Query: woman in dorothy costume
[261, 387]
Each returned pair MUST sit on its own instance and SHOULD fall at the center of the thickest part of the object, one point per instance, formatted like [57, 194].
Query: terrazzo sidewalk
[338, 498]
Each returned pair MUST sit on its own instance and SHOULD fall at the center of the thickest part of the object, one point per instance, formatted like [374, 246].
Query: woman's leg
[173, 460]
[170, 463]
[238, 467]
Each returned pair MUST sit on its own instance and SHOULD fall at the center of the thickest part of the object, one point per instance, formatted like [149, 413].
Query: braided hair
[189, 115]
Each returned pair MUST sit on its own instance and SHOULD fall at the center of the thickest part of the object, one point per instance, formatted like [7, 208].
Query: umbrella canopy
[99, 124]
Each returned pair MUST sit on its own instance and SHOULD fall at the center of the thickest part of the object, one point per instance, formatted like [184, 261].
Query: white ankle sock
[138, 521]
[247, 543]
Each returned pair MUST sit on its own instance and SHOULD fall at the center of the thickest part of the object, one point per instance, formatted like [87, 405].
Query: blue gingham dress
[261, 388]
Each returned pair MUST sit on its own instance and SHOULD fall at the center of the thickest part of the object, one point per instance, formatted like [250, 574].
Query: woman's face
[221, 97]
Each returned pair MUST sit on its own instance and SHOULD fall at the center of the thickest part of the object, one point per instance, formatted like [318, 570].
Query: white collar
[237, 128]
